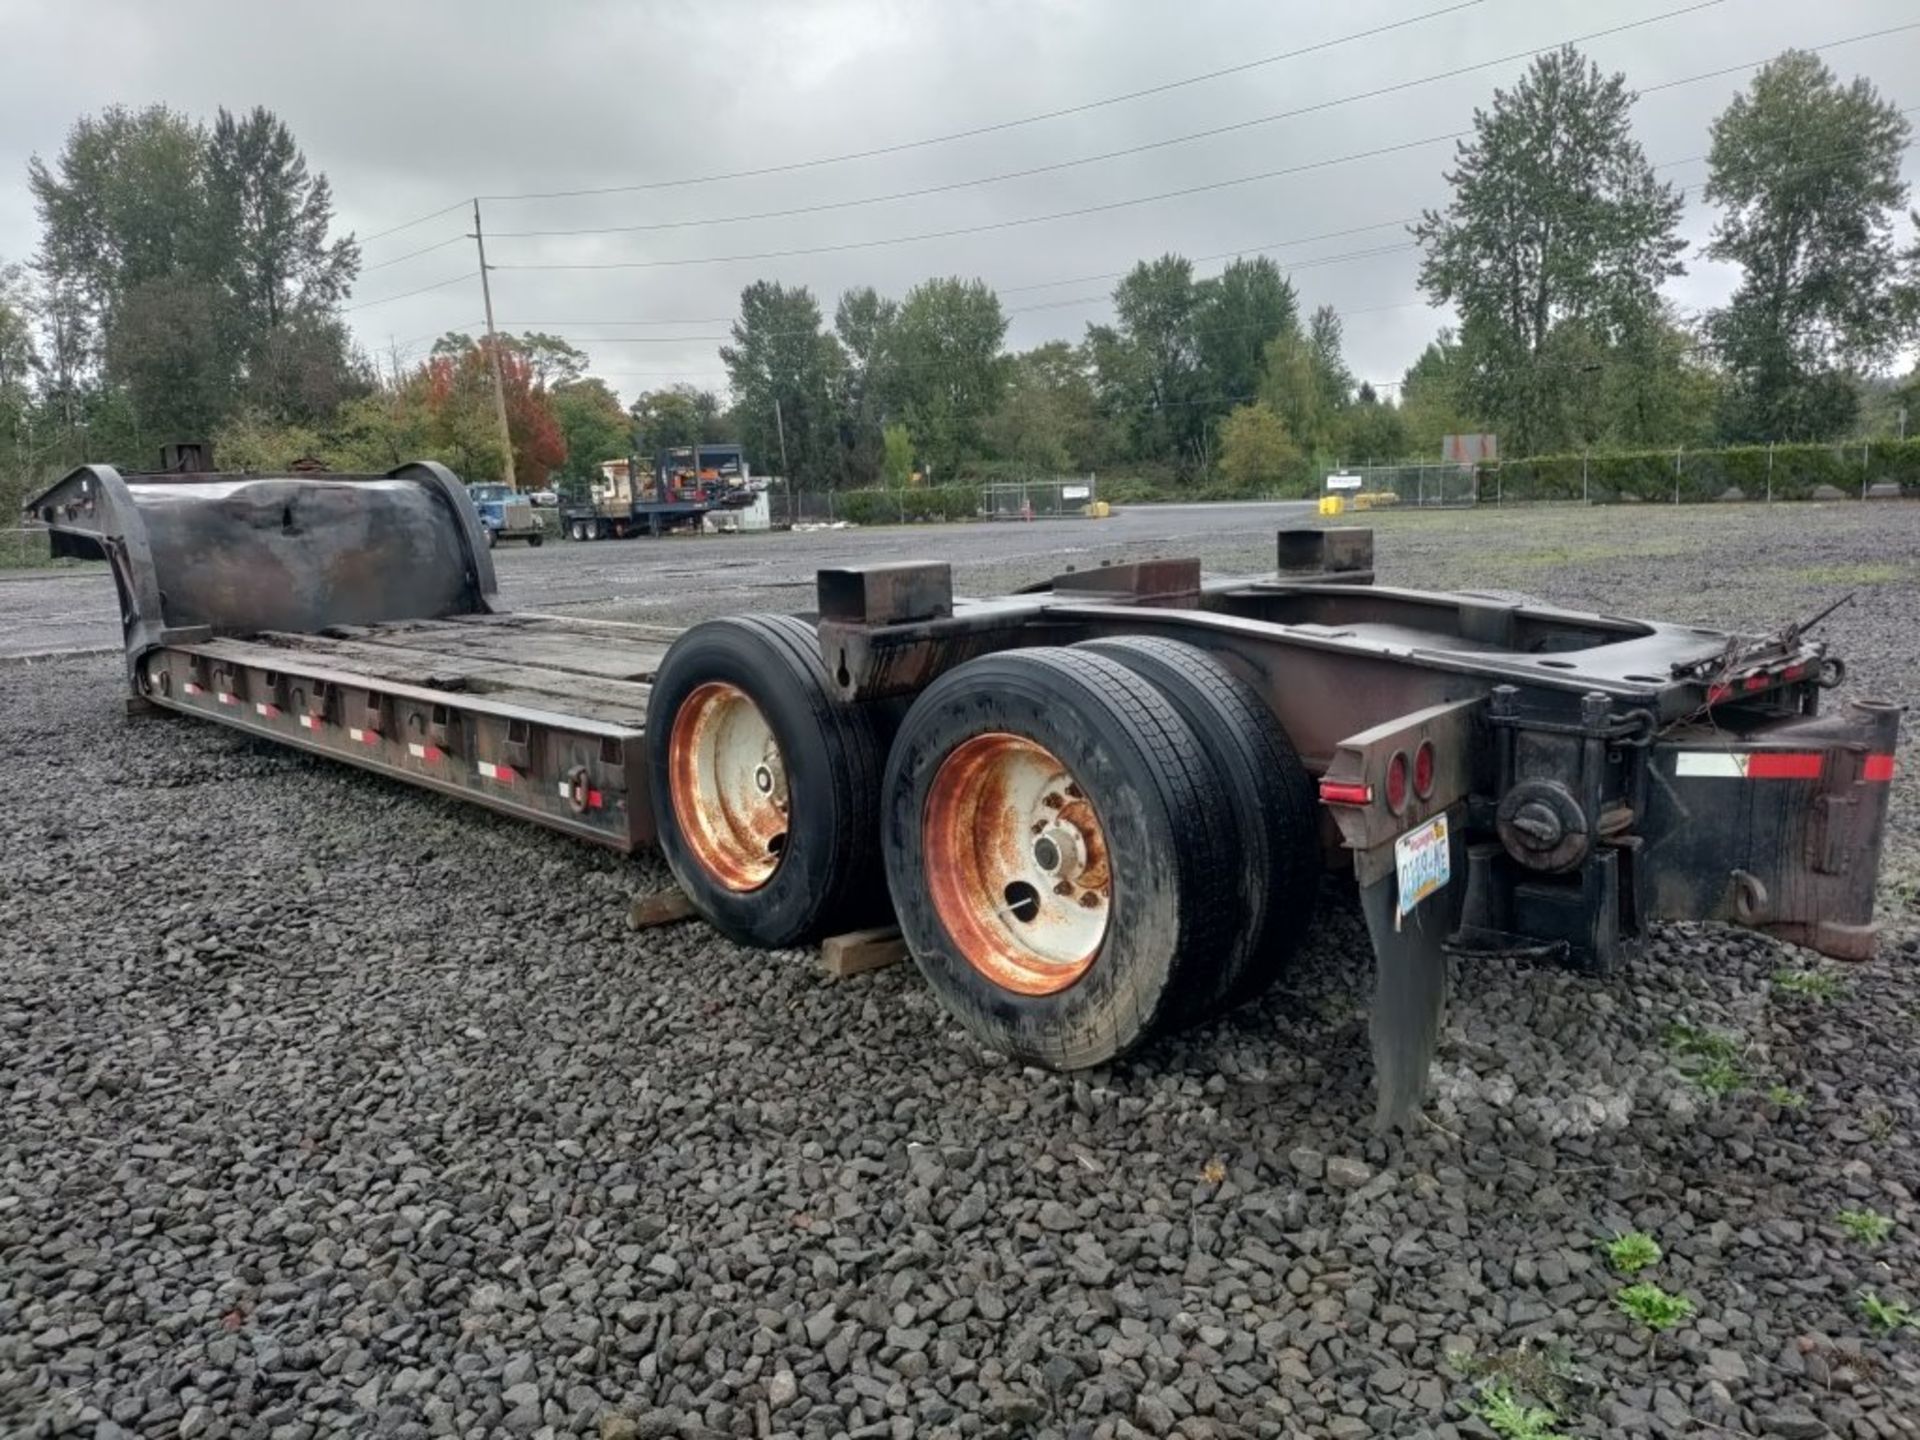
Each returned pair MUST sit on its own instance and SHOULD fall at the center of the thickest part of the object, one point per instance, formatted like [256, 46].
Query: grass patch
[1654, 1307]
[1511, 1418]
[1885, 1316]
[1815, 985]
[1632, 1252]
[1869, 1227]
[1785, 1098]
[1707, 1057]
[1863, 573]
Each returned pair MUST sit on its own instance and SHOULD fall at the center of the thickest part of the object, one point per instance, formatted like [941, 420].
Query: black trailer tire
[536, 540]
[578, 531]
[493, 539]
[1275, 814]
[1147, 802]
[823, 873]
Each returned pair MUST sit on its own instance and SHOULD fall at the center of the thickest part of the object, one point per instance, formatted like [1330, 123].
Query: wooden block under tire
[663, 907]
[859, 951]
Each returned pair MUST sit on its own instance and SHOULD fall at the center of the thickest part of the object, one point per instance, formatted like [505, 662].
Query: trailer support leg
[1410, 977]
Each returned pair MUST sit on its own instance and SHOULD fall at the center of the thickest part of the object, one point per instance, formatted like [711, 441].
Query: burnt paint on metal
[886, 594]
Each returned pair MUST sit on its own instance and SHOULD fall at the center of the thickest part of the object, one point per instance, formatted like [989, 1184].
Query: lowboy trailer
[1099, 807]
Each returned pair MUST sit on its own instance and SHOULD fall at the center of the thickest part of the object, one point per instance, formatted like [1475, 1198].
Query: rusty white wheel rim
[727, 780]
[1016, 863]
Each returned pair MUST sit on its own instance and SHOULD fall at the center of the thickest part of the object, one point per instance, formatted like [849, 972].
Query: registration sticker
[1423, 859]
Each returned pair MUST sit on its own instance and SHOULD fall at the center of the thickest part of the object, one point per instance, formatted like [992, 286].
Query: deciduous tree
[1555, 217]
[1807, 173]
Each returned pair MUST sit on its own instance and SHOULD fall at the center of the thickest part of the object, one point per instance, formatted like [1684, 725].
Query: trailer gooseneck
[1100, 807]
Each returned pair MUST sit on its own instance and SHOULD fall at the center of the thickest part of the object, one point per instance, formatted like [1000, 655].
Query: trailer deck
[538, 716]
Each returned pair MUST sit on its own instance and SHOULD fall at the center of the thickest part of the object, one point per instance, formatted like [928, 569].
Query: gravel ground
[331, 1107]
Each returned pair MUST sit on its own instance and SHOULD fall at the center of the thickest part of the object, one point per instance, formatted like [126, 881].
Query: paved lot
[328, 1107]
[662, 579]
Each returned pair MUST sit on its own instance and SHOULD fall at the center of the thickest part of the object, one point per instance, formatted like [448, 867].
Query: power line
[1109, 206]
[992, 225]
[409, 224]
[996, 126]
[1151, 145]
[408, 294]
[411, 254]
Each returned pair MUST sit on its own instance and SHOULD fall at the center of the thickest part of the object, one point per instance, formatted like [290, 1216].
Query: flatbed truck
[1098, 808]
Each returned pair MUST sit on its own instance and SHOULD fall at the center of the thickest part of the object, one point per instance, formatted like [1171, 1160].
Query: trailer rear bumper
[1778, 829]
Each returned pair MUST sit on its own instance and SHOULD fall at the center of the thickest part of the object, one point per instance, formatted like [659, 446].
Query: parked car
[545, 499]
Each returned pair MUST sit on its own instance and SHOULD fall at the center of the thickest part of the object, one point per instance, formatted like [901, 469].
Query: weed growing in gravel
[1510, 1417]
[1886, 1316]
[1785, 1098]
[1633, 1252]
[1878, 1123]
[1654, 1307]
[1869, 1227]
[1815, 985]
[1710, 1059]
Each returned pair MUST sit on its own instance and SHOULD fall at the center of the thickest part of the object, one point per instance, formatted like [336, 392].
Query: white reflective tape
[309, 722]
[496, 772]
[262, 708]
[226, 697]
[1724, 764]
[417, 751]
[566, 791]
[365, 737]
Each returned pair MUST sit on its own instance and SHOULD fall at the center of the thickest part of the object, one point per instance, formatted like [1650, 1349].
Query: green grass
[1857, 574]
[1869, 1227]
[1654, 1307]
[1785, 1098]
[1885, 1316]
[1707, 1057]
[1632, 1252]
[1510, 1417]
[1816, 985]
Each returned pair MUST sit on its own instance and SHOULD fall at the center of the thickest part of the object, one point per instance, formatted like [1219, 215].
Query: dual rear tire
[1083, 847]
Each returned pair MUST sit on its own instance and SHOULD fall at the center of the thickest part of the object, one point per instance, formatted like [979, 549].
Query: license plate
[1423, 859]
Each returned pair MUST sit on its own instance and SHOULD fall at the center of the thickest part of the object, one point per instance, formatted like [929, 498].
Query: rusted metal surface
[727, 782]
[886, 594]
[1017, 864]
[566, 771]
[1345, 552]
[1173, 583]
[247, 553]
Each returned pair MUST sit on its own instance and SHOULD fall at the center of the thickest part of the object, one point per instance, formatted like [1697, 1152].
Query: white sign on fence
[1076, 492]
[1343, 482]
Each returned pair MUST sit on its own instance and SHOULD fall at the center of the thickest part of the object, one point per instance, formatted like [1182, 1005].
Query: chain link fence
[1396, 486]
[1037, 499]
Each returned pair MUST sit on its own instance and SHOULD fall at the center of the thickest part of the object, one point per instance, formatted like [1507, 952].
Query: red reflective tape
[192, 689]
[1877, 767]
[1717, 693]
[1779, 765]
[1345, 792]
[595, 800]
[503, 773]
[1759, 682]
[226, 697]
[272, 712]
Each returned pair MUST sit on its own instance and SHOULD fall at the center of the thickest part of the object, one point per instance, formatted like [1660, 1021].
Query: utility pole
[786, 473]
[493, 351]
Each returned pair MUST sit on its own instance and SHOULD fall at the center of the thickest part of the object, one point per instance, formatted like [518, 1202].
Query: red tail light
[1345, 792]
[1397, 770]
[1423, 769]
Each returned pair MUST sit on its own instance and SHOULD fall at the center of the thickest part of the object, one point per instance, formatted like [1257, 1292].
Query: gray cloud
[408, 106]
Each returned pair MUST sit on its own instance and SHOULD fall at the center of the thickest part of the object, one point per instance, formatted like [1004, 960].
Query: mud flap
[1410, 974]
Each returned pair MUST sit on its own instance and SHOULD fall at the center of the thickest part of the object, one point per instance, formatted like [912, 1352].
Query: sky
[410, 106]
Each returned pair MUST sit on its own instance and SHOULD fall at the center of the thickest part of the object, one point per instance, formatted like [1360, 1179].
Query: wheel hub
[1017, 864]
[727, 781]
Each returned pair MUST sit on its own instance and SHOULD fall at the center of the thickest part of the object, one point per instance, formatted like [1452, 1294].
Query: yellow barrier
[1096, 509]
[1331, 505]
